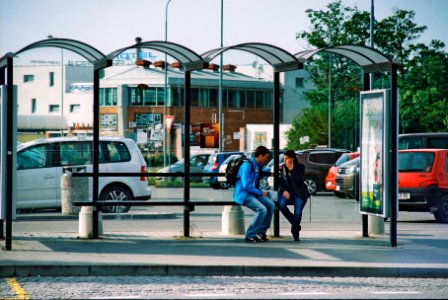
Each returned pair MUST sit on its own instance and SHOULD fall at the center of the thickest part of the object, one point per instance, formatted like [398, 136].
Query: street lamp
[166, 85]
[220, 114]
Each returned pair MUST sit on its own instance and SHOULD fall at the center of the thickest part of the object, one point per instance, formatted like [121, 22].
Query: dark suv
[317, 162]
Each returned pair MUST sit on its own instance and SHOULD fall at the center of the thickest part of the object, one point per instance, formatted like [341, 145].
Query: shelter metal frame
[370, 60]
[90, 53]
[373, 61]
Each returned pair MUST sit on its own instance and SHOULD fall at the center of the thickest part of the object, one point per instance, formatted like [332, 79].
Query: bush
[156, 159]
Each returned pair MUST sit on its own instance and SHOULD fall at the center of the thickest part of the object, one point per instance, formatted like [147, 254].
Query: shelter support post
[187, 152]
[393, 135]
[96, 143]
[9, 152]
[364, 218]
[276, 144]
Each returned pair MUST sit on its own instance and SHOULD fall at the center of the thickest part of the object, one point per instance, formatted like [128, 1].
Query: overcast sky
[112, 24]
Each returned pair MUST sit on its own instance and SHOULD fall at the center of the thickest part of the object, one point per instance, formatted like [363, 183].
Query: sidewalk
[50, 248]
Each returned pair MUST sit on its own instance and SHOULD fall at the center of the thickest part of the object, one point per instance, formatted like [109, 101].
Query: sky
[109, 25]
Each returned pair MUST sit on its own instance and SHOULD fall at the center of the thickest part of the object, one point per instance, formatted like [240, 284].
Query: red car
[423, 181]
[330, 180]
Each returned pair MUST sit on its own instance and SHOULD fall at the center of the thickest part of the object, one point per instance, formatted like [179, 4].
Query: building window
[108, 121]
[75, 108]
[54, 108]
[33, 105]
[178, 96]
[108, 97]
[299, 82]
[28, 78]
[51, 78]
[147, 120]
[152, 96]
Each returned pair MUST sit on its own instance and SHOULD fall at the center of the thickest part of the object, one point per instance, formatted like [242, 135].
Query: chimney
[176, 65]
[213, 67]
[160, 64]
[143, 63]
[229, 67]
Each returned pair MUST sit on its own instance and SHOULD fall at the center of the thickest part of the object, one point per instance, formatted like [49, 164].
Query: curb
[184, 270]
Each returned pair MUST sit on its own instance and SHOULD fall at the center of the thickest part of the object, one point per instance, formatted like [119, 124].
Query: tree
[393, 36]
[424, 93]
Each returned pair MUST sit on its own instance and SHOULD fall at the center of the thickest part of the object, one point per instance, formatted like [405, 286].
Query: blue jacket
[245, 184]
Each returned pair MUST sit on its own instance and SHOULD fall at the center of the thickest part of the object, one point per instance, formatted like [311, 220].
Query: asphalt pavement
[152, 243]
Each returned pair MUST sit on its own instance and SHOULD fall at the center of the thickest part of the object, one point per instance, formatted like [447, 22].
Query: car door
[37, 181]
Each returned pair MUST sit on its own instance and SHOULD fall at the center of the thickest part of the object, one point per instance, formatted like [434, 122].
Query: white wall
[266, 133]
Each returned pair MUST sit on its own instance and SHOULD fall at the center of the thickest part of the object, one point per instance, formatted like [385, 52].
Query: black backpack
[232, 169]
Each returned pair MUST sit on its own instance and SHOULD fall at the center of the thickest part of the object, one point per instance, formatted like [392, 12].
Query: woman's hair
[292, 154]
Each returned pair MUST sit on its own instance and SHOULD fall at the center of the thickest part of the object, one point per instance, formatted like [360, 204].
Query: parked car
[317, 162]
[197, 164]
[423, 181]
[427, 140]
[214, 162]
[347, 179]
[40, 167]
[330, 180]
[222, 169]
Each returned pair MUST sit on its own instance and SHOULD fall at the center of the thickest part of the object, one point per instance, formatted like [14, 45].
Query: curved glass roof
[88, 52]
[369, 59]
[278, 58]
[189, 59]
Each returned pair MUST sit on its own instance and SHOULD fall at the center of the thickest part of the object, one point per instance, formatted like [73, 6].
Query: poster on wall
[374, 146]
[260, 138]
[209, 137]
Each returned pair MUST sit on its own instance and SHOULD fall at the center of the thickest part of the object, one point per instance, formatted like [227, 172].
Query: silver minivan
[40, 166]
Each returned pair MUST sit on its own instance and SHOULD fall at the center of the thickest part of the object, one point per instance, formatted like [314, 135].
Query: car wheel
[340, 195]
[215, 185]
[116, 193]
[224, 185]
[312, 185]
[441, 215]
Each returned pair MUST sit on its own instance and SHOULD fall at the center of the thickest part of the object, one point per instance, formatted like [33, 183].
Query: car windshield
[344, 158]
[230, 158]
[179, 162]
[415, 161]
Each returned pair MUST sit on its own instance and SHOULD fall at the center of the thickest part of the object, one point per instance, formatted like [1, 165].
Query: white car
[40, 167]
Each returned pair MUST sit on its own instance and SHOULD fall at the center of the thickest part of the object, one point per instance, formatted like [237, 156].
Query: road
[222, 287]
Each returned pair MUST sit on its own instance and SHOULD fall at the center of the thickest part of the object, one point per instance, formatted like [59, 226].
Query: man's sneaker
[262, 237]
[255, 239]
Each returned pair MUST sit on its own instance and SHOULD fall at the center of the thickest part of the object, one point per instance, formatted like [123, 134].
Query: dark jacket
[294, 184]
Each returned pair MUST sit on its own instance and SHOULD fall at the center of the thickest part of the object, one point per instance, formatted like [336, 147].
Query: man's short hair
[261, 150]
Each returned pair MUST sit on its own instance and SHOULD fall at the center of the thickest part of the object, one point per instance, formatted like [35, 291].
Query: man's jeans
[295, 218]
[263, 208]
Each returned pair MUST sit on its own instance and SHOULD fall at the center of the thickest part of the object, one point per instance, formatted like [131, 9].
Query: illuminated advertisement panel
[374, 146]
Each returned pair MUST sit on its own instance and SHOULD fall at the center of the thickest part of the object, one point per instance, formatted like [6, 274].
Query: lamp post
[372, 19]
[166, 86]
[220, 114]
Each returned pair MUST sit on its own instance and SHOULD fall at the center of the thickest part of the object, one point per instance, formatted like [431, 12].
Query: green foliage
[311, 122]
[423, 88]
[155, 160]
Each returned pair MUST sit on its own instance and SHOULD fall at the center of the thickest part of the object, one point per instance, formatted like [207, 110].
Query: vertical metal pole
[365, 218]
[2, 82]
[62, 82]
[220, 89]
[372, 19]
[166, 87]
[187, 153]
[96, 144]
[9, 151]
[393, 134]
[276, 119]
[329, 99]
